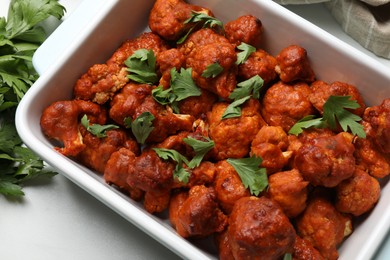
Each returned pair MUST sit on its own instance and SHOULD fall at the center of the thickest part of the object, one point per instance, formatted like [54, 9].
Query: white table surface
[58, 220]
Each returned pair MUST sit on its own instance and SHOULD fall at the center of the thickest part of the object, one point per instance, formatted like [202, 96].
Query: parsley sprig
[142, 67]
[180, 173]
[96, 129]
[201, 18]
[243, 92]
[141, 127]
[246, 51]
[207, 20]
[305, 123]
[182, 86]
[17, 163]
[20, 36]
[200, 147]
[212, 70]
[248, 87]
[234, 108]
[335, 111]
[252, 175]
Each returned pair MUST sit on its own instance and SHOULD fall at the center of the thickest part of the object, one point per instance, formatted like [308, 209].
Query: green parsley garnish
[17, 163]
[234, 109]
[163, 96]
[182, 87]
[252, 175]
[212, 70]
[180, 173]
[248, 87]
[246, 51]
[334, 111]
[243, 92]
[20, 36]
[96, 129]
[207, 20]
[141, 127]
[182, 84]
[201, 18]
[306, 122]
[199, 146]
[142, 67]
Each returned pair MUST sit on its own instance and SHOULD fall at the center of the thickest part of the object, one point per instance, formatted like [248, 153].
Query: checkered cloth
[367, 21]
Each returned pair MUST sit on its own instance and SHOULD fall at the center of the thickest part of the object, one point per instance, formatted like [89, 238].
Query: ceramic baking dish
[97, 28]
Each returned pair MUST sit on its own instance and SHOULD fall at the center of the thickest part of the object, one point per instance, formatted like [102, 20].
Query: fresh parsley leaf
[183, 38]
[3, 24]
[287, 256]
[20, 36]
[335, 111]
[127, 122]
[208, 21]
[182, 84]
[212, 70]
[9, 188]
[182, 87]
[24, 15]
[170, 154]
[141, 127]
[17, 75]
[234, 109]
[96, 129]
[29, 164]
[163, 96]
[306, 122]
[246, 51]
[9, 137]
[201, 18]
[142, 67]
[17, 163]
[252, 175]
[248, 87]
[244, 91]
[200, 147]
[180, 173]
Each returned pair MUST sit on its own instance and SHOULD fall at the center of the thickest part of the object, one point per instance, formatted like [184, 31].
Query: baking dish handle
[71, 26]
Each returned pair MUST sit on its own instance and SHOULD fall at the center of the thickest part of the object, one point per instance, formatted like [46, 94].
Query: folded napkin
[367, 21]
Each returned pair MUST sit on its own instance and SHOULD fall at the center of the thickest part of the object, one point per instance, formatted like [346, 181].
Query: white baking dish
[97, 28]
